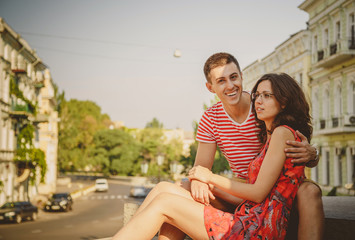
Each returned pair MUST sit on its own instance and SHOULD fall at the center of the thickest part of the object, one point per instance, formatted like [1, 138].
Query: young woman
[281, 109]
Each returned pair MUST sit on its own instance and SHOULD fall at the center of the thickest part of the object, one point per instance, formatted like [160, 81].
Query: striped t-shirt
[238, 142]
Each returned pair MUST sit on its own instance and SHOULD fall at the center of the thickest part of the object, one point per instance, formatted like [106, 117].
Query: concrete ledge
[339, 217]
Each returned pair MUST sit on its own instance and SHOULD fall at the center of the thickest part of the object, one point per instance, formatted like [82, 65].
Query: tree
[154, 124]
[80, 120]
[115, 152]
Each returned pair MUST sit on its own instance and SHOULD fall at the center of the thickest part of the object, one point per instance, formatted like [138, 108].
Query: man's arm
[302, 152]
[204, 157]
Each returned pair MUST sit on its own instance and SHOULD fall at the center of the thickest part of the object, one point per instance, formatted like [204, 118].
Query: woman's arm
[269, 172]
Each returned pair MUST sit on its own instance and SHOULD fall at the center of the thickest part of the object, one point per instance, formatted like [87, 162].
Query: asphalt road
[94, 216]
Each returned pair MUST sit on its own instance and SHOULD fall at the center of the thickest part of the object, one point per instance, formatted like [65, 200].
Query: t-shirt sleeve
[205, 129]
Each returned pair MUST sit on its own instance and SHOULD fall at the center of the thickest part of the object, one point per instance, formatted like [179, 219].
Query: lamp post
[160, 160]
[173, 168]
[144, 167]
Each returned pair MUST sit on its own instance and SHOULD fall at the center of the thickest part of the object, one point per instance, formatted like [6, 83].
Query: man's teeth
[232, 94]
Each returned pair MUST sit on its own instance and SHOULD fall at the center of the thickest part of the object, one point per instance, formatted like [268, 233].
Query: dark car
[18, 211]
[59, 202]
[138, 192]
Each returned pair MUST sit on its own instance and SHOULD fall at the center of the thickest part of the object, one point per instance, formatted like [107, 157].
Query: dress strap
[293, 131]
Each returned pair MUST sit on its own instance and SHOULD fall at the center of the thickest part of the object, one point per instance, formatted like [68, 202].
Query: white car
[101, 185]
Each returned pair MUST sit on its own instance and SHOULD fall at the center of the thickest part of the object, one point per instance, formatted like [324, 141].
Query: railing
[351, 44]
[21, 108]
[335, 121]
[333, 48]
[320, 55]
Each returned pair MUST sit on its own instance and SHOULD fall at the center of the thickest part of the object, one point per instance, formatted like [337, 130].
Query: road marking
[113, 197]
[69, 226]
[106, 197]
[37, 231]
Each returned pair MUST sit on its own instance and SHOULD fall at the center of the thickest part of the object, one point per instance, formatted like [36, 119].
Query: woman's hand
[201, 174]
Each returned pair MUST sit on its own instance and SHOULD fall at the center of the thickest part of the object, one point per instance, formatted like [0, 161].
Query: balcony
[335, 125]
[21, 111]
[336, 53]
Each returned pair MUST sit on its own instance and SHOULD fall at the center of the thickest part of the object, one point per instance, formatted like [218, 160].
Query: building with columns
[321, 59]
[25, 100]
[332, 86]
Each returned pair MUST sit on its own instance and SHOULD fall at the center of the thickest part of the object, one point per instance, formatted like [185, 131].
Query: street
[94, 216]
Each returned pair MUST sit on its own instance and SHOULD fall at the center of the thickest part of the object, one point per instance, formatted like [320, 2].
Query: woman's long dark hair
[296, 111]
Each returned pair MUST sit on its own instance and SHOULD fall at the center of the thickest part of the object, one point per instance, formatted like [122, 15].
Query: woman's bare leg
[167, 231]
[178, 211]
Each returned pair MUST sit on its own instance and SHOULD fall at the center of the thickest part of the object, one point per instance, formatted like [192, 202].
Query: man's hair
[289, 94]
[217, 60]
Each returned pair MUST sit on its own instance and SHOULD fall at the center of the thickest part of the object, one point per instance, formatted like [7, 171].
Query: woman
[281, 108]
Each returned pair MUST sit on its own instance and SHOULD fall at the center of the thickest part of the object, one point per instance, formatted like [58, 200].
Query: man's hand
[201, 192]
[302, 152]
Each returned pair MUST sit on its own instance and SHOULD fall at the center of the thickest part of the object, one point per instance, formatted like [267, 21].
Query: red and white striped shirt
[238, 142]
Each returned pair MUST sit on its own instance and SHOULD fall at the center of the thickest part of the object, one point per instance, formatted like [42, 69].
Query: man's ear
[209, 87]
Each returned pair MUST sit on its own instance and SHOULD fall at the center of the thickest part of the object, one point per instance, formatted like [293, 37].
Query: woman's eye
[267, 95]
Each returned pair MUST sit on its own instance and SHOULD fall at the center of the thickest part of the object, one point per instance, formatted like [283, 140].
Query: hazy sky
[119, 53]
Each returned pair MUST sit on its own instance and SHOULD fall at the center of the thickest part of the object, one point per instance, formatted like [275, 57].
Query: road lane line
[37, 231]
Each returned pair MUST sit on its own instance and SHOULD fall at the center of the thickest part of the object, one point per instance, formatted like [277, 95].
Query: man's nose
[230, 84]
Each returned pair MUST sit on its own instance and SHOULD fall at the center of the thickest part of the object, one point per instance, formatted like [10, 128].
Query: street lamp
[144, 167]
[160, 160]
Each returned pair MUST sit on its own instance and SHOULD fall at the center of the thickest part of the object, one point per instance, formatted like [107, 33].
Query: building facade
[292, 57]
[332, 86]
[22, 80]
[321, 59]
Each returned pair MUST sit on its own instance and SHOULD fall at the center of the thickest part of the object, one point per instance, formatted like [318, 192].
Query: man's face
[226, 82]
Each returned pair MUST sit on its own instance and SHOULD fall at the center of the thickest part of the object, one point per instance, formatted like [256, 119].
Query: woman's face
[266, 105]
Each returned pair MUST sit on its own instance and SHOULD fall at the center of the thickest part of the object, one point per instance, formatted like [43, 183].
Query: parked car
[101, 185]
[59, 202]
[18, 211]
[138, 192]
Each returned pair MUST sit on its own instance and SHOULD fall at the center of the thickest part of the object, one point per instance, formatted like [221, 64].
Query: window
[315, 43]
[326, 38]
[326, 104]
[337, 30]
[338, 104]
[351, 31]
[353, 96]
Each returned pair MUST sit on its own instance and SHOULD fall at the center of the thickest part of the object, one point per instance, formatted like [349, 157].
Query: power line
[92, 40]
[110, 57]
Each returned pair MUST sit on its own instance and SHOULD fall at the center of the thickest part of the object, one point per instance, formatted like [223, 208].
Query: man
[230, 125]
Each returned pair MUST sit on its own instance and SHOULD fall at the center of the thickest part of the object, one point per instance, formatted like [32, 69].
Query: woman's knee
[162, 187]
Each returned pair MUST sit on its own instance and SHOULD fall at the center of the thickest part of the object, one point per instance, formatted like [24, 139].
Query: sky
[120, 53]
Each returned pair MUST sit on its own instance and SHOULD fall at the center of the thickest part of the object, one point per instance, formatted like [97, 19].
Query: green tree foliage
[80, 120]
[115, 152]
[29, 156]
[154, 124]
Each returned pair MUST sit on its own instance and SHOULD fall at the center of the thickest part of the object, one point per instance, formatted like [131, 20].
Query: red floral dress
[265, 220]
